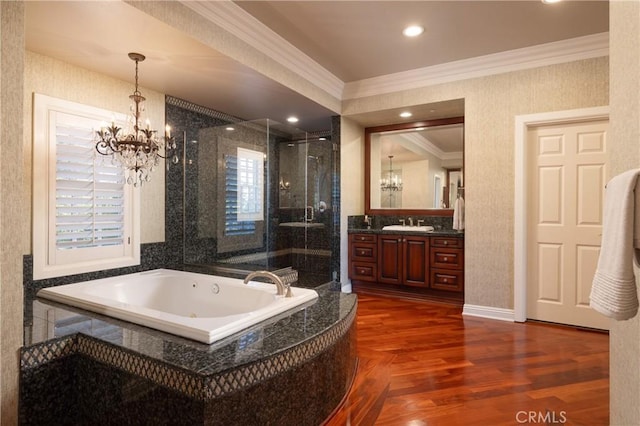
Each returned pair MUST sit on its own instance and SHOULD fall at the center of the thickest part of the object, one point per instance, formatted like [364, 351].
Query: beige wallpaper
[624, 137]
[11, 215]
[491, 104]
[351, 186]
[61, 80]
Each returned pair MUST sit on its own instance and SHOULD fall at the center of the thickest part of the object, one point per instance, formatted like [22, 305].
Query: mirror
[414, 168]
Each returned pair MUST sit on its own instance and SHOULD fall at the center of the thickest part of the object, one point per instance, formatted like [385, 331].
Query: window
[232, 224]
[241, 190]
[250, 184]
[85, 218]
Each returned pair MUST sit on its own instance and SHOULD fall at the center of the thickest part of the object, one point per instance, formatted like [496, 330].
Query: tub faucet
[282, 288]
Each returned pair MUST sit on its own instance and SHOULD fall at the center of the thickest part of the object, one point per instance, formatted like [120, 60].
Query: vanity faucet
[420, 222]
[402, 222]
[281, 287]
[410, 222]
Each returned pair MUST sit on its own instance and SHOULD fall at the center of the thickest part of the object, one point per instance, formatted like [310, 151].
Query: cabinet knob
[445, 258]
[446, 242]
[361, 238]
[445, 280]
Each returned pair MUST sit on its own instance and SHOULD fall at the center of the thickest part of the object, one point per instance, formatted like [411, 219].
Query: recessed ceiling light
[322, 139]
[413, 31]
[551, 1]
[419, 129]
[405, 114]
[292, 119]
[230, 129]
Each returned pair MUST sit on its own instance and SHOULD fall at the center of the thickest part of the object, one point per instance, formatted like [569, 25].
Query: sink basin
[408, 228]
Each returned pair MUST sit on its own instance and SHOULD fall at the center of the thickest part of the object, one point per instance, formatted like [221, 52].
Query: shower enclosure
[258, 195]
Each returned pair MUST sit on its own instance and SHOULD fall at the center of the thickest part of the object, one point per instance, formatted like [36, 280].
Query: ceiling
[353, 40]
[363, 39]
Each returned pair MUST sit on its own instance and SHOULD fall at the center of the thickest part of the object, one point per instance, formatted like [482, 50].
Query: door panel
[390, 259]
[416, 272]
[567, 172]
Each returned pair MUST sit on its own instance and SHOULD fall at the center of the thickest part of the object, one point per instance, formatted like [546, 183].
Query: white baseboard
[488, 312]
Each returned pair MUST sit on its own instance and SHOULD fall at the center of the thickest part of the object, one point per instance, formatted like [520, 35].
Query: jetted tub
[202, 307]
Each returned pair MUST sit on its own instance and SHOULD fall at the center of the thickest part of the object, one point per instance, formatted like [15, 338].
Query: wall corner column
[624, 134]
[12, 75]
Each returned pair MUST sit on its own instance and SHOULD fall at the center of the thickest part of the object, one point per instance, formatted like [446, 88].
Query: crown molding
[241, 24]
[423, 143]
[575, 49]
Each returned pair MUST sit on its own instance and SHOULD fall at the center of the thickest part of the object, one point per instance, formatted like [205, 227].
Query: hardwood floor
[423, 363]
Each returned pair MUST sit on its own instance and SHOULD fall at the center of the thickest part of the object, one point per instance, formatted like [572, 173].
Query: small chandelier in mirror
[393, 182]
[138, 151]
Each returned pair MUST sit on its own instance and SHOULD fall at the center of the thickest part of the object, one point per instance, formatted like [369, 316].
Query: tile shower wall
[186, 120]
[202, 196]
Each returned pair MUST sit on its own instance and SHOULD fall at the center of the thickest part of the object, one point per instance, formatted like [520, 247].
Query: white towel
[613, 292]
[458, 214]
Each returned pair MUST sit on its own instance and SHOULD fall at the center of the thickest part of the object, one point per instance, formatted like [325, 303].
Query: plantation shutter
[89, 190]
[233, 226]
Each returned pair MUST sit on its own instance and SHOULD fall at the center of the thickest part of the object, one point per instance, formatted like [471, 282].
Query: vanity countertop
[437, 233]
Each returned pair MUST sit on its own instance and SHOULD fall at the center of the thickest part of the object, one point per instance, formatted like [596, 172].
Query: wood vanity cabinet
[403, 260]
[417, 266]
[363, 255]
[447, 264]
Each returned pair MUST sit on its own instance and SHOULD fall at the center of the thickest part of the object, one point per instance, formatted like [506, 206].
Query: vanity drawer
[363, 271]
[362, 238]
[447, 258]
[447, 242]
[364, 252]
[446, 279]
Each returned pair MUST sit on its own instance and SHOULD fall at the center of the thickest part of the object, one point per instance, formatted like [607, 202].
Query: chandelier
[393, 182]
[138, 151]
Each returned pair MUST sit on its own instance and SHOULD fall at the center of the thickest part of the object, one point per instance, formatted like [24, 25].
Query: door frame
[520, 240]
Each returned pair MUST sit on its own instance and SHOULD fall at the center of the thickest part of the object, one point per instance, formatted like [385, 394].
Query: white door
[567, 173]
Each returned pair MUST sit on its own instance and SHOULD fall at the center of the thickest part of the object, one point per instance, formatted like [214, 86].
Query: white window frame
[49, 262]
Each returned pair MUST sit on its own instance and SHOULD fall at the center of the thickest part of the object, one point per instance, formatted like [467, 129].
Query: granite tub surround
[83, 368]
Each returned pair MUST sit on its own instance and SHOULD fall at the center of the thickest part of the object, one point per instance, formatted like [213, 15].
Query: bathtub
[201, 307]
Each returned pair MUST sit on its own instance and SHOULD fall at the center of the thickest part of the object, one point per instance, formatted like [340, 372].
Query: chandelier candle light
[394, 182]
[139, 150]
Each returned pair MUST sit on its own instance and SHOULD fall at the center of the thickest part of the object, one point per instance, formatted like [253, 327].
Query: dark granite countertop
[276, 335]
[437, 233]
